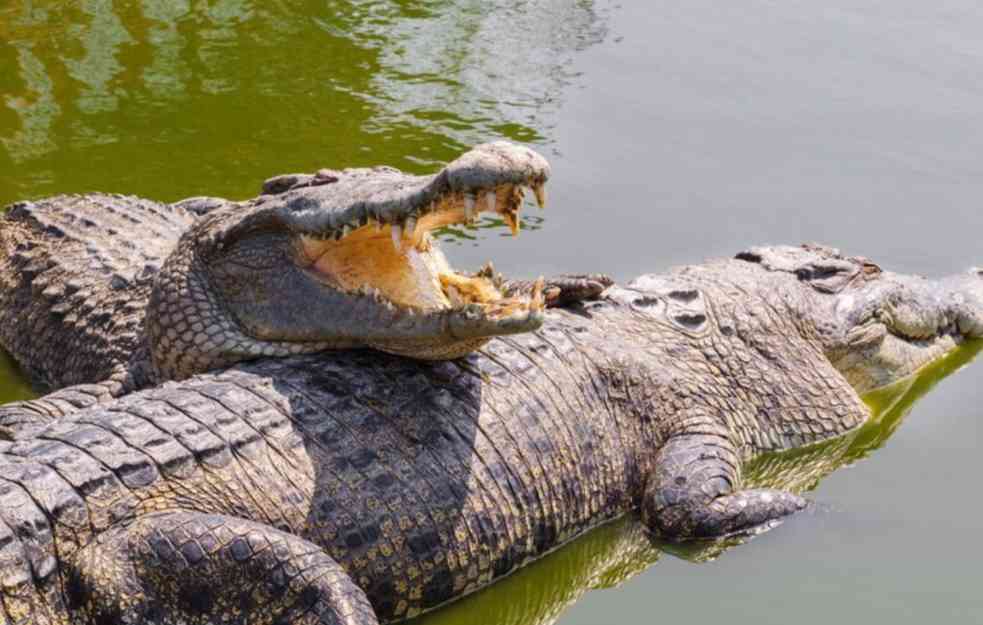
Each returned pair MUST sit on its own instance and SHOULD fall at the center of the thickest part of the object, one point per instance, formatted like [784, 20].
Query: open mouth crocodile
[359, 487]
[337, 259]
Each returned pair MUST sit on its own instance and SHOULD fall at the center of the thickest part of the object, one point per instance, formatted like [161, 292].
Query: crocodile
[363, 487]
[336, 259]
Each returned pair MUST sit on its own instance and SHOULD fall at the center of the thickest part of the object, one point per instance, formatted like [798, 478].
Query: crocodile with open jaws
[360, 487]
[332, 260]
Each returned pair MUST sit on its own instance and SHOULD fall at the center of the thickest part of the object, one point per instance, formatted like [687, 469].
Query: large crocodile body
[352, 487]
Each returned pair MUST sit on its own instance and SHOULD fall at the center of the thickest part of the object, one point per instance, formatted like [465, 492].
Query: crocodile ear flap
[824, 268]
[225, 227]
[288, 182]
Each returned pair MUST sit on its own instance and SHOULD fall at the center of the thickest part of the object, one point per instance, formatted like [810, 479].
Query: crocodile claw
[563, 290]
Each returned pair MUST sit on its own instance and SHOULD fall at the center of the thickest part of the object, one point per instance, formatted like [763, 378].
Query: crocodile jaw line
[399, 263]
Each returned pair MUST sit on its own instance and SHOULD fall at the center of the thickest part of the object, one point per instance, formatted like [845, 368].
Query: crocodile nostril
[684, 295]
[693, 321]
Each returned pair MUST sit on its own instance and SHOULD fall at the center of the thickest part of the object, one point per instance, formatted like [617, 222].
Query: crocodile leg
[559, 291]
[195, 568]
[695, 491]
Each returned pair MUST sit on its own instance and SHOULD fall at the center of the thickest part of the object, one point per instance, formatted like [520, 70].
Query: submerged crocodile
[356, 487]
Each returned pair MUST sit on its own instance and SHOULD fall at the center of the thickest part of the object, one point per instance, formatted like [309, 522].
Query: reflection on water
[13, 386]
[612, 554]
[473, 69]
[171, 99]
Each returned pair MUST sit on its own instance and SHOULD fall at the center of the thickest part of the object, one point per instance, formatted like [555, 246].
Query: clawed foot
[559, 291]
[569, 289]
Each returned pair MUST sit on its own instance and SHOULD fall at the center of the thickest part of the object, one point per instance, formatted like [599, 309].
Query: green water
[676, 131]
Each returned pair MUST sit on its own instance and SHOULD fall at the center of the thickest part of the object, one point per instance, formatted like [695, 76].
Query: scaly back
[75, 276]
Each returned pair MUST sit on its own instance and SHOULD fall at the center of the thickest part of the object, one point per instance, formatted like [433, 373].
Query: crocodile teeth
[468, 208]
[397, 234]
[539, 189]
[512, 219]
[411, 227]
[491, 200]
[454, 296]
[346, 230]
[537, 302]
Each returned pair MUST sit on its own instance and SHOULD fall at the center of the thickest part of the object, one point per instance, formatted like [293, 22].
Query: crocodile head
[875, 326]
[343, 259]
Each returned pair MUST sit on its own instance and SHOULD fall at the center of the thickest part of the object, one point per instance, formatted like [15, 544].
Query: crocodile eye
[829, 276]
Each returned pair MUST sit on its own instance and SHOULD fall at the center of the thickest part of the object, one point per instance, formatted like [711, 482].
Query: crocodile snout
[968, 303]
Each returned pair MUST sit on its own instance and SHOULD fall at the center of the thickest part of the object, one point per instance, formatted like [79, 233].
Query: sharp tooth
[411, 227]
[378, 225]
[537, 294]
[454, 297]
[491, 200]
[512, 219]
[539, 189]
[397, 232]
[468, 208]
[346, 230]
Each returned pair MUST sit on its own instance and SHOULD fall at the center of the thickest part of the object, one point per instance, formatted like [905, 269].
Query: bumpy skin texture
[75, 276]
[423, 481]
[221, 279]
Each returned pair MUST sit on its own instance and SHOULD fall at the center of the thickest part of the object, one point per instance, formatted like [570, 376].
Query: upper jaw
[489, 177]
[917, 309]
[903, 323]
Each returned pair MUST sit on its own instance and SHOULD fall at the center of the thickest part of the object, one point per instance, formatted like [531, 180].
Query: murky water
[677, 131]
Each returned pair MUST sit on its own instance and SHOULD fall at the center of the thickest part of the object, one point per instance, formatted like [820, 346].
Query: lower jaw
[900, 362]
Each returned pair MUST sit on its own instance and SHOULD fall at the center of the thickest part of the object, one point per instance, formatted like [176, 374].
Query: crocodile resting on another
[357, 487]
[338, 259]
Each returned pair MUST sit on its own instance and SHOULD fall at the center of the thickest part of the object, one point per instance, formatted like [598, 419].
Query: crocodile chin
[400, 264]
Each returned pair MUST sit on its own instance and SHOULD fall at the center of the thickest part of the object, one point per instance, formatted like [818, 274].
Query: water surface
[677, 131]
